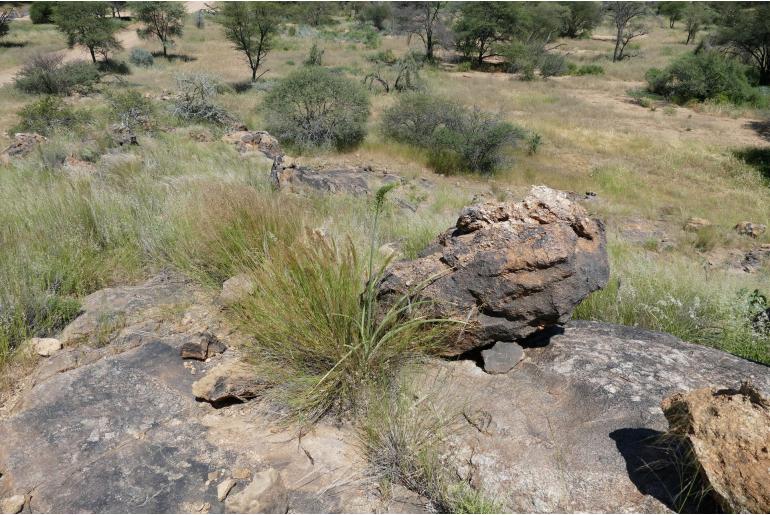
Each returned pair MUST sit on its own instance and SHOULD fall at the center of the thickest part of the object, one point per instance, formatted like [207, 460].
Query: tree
[695, 16]
[116, 7]
[425, 21]
[251, 28]
[87, 24]
[41, 12]
[162, 20]
[626, 18]
[5, 21]
[482, 26]
[581, 18]
[376, 13]
[746, 33]
[672, 11]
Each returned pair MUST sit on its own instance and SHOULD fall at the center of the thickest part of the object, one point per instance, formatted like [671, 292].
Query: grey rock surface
[502, 357]
[573, 425]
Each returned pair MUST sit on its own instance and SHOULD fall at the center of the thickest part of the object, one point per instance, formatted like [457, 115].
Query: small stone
[46, 346]
[236, 289]
[695, 224]
[265, 494]
[502, 357]
[202, 346]
[13, 504]
[213, 475]
[241, 473]
[224, 488]
[226, 381]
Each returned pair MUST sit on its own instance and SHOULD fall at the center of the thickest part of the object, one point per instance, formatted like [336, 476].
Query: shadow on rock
[659, 466]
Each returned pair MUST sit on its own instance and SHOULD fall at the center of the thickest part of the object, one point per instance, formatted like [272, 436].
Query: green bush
[552, 65]
[141, 57]
[48, 114]
[315, 57]
[129, 107]
[588, 69]
[41, 12]
[48, 75]
[313, 107]
[702, 76]
[457, 138]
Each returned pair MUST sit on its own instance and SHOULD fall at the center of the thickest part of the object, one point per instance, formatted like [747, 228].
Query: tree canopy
[745, 30]
[87, 24]
[162, 20]
[251, 28]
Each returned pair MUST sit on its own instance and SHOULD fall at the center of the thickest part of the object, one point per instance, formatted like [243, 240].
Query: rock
[122, 134]
[46, 346]
[265, 494]
[502, 357]
[510, 269]
[751, 229]
[576, 425]
[729, 432]
[229, 381]
[695, 224]
[224, 488]
[202, 346]
[13, 504]
[254, 141]
[355, 181]
[23, 143]
[756, 258]
[236, 289]
[241, 473]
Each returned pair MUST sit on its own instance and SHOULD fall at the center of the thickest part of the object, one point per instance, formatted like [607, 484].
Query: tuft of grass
[710, 308]
[404, 436]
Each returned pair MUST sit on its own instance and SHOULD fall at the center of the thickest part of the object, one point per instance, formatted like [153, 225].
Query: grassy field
[65, 235]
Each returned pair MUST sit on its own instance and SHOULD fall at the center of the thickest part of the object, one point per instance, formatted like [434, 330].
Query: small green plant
[315, 57]
[141, 57]
[129, 107]
[588, 69]
[48, 114]
[464, 66]
[533, 143]
[314, 107]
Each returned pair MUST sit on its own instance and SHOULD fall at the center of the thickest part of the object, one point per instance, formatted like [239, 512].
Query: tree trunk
[689, 38]
[618, 37]
[671, 23]
[764, 76]
[429, 49]
[254, 74]
[165, 52]
[93, 54]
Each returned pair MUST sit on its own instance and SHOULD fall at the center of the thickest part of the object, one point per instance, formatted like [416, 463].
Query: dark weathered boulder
[201, 346]
[577, 425]
[23, 143]
[254, 141]
[510, 269]
[729, 433]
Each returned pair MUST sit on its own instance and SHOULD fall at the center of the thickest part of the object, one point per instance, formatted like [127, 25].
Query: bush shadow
[13, 44]
[657, 466]
[175, 57]
[756, 157]
[760, 127]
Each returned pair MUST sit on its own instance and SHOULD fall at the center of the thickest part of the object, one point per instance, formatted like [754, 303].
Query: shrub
[457, 138]
[48, 114]
[313, 107]
[41, 12]
[552, 65]
[129, 107]
[112, 66]
[195, 100]
[702, 76]
[588, 69]
[48, 75]
[315, 57]
[141, 57]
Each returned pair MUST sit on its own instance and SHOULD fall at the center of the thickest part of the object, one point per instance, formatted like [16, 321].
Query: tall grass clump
[404, 436]
[314, 107]
[674, 297]
[457, 138]
[320, 335]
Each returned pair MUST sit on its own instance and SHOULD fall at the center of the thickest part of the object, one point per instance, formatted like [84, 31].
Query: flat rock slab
[572, 426]
[502, 357]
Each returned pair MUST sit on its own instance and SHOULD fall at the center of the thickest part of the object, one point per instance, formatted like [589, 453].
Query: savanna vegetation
[659, 109]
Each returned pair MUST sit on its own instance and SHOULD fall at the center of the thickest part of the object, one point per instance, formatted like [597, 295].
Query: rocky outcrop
[729, 433]
[577, 426]
[695, 224]
[509, 269]
[122, 134]
[354, 180]
[752, 229]
[254, 141]
[23, 143]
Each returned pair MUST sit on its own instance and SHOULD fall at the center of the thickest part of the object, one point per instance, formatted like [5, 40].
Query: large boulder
[510, 269]
[729, 431]
[577, 426]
